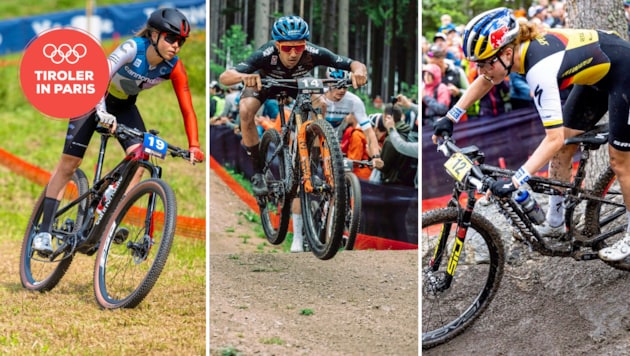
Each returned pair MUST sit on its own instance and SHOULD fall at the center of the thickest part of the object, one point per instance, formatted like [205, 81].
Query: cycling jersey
[593, 62]
[336, 111]
[557, 60]
[131, 73]
[266, 61]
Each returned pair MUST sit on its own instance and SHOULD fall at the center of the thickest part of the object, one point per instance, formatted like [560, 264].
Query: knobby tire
[128, 265]
[447, 313]
[275, 208]
[353, 210]
[38, 273]
[324, 211]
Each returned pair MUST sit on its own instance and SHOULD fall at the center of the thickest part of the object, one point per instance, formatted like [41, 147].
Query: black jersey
[266, 60]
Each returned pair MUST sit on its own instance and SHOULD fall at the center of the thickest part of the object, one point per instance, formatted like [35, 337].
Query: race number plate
[458, 166]
[154, 145]
[310, 86]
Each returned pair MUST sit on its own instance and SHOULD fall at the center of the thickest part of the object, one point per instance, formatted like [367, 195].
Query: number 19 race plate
[458, 166]
[154, 145]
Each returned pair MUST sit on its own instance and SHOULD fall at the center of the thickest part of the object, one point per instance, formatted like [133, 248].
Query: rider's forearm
[230, 77]
[548, 147]
[476, 91]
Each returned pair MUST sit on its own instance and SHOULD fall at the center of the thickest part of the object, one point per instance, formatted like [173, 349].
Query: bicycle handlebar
[292, 83]
[122, 131]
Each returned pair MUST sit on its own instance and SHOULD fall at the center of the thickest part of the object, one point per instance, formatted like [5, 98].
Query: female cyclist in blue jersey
[137, 64]
[593, 62]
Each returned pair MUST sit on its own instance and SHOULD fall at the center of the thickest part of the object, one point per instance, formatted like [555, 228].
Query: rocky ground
[550, 306]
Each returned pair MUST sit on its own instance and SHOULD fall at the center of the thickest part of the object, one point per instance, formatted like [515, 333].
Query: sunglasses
[491, 62]
[298, 48]
[171, 38]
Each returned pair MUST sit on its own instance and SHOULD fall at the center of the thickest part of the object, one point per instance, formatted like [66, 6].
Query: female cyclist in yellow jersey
[593, 62]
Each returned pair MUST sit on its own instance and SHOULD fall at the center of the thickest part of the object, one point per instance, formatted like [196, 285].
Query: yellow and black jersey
[557, 60]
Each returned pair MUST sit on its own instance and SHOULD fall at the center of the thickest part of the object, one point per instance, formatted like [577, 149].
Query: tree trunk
[343, 27]
[261, 35]
[606, 15]
[288, 7]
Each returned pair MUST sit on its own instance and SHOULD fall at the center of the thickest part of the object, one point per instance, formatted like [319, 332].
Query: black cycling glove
[502, 188]
[443, 126]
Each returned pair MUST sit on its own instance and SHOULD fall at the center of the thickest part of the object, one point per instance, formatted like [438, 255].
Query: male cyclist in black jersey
[288, 55]
[593, 61]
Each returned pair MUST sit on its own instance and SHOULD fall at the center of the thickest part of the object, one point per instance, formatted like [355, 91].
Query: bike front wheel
[447, 310]
[38, 272]
[353, 210]
[323, 208]
[135, 245]
[275, 207]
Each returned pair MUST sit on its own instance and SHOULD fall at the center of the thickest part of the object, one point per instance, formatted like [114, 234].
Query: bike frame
[86, 239]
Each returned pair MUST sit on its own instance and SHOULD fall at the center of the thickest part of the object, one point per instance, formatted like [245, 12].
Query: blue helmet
[290, 28]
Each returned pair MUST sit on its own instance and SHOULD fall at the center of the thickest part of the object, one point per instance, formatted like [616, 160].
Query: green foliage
[461, 12]
[307, 312]
[233, 49]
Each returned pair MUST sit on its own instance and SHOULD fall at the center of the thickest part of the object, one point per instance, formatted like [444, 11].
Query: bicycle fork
[463, 223]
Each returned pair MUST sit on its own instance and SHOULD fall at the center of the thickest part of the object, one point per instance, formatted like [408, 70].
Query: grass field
[67, 320]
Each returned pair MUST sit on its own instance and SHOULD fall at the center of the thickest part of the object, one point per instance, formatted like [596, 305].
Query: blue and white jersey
[336, 111]
[130, 71]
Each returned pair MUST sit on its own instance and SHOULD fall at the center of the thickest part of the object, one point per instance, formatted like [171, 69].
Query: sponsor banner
[105, 23]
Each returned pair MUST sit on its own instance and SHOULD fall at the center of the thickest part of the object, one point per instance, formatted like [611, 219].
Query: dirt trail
[276, 303]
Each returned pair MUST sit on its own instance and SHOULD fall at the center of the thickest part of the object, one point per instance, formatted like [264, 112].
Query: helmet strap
[508, 68]
[155, 45]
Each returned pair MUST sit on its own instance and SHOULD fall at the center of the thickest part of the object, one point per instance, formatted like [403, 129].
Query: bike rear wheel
[38, 272]
[447, 312]
[353, 210]
[275, 207]
[323, 209]
[135, 245]
[602, 218]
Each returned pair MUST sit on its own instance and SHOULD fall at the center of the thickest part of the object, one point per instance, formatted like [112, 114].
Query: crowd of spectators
[396, 166]
[456, 73]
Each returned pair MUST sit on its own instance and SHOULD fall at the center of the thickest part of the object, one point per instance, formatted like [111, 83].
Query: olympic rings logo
[64, 52]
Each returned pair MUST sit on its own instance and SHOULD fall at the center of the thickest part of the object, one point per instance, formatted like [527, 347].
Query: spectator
[446, 24]
[436, 98]
[354, 146]
[217, 101]
[454, 77]
[440, 39]
[496, 101]
[520, 93]
[230, 109]
[397, 168]
[377, 103]
[402, 146]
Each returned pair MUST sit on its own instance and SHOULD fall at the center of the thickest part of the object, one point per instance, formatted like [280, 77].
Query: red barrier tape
[186, 226]
[363, 242]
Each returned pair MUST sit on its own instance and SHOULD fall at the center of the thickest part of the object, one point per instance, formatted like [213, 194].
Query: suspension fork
[463, 223]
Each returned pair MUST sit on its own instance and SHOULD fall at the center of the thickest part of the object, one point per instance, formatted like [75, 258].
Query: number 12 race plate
[458, 166]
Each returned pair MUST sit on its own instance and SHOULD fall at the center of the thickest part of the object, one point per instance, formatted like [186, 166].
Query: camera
[393, 99]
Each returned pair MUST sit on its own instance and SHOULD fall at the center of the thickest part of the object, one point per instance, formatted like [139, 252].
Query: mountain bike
[353, 202]
[303, 159]
[129, 228]
[462, 252]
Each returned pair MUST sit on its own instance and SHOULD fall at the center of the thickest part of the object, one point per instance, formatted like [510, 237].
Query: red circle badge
[64, 73]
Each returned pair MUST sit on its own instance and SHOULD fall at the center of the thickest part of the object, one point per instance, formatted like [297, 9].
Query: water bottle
[530, 206]
[107, 196]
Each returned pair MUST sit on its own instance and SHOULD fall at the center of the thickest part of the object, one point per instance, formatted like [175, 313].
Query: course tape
[363, 241]
[186, 226]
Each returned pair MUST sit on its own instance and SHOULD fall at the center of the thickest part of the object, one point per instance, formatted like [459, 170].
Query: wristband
[456, 113]
[522, 176]
[375, 156]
